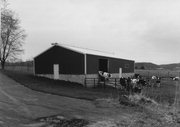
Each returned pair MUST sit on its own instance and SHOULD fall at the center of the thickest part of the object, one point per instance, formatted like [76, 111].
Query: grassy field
[62, 88]
[164, 94]
[145, 115]
[159, 73]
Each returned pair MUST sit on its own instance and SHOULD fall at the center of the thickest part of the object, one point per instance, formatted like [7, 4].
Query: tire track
[20, 106]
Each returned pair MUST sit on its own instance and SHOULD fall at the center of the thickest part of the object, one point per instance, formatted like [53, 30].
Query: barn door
[56, 71]
[103, 65]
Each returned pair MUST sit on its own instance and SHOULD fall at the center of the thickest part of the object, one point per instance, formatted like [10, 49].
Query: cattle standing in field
[176, 78]
[123, 82]
[158, 82]
[153, 81]
[136, 76]
[142, 82]
[104, 75]
[138, 83]
[153, 77]
[135, 85]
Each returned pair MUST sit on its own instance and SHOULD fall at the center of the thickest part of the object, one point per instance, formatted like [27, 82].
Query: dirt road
[19, 106]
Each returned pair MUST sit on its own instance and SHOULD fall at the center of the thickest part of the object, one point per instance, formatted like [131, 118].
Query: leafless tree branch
[12, 35]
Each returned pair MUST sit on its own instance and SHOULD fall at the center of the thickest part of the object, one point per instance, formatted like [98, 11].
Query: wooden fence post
[94, 82]
[115, 83]
[104, 83]
[85, 82]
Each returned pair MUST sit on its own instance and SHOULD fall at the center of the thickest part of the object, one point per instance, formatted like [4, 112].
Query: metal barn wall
[126, 65]
[92, 64]
[114, 64]
[70, 62]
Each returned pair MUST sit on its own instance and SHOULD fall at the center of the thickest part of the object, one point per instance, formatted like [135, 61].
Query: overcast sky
[142, 30]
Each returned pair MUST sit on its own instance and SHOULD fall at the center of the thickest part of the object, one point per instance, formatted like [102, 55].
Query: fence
[159, 73]
[25, 68]
[169, 92]
[94, 82]
[165, 74]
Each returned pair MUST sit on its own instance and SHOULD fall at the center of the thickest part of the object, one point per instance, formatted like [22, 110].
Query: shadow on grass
[58, 87]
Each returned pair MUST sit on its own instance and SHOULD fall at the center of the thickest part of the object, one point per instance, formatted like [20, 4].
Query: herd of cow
[136, 83]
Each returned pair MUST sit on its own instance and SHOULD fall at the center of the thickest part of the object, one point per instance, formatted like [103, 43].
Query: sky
[141, 30]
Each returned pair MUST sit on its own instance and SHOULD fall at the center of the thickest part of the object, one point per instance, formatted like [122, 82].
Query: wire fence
[28, 68]
[159, 73]
[168, 93]
[94, 82]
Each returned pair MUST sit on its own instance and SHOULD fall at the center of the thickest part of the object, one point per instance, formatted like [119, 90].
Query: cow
[104, 75]
[123, 82]
[135, 86]
[158, 82]
[153, 81]
[176, 78]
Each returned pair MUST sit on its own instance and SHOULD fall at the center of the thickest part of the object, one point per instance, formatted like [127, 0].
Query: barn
[62, 62]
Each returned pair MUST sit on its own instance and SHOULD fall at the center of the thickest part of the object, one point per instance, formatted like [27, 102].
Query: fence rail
[97, 82]
[28, 69]
[159, 73]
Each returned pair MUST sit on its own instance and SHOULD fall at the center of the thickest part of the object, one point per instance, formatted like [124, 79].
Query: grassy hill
[152, 66]
[175, 66]
[146, 65]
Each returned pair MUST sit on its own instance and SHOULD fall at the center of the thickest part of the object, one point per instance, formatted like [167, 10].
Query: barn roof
[85, 51]
[89, 51]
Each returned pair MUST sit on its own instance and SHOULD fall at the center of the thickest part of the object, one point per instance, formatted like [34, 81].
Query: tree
[12, 36]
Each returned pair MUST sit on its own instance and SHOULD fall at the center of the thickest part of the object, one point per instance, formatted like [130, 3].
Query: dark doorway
[103, 65]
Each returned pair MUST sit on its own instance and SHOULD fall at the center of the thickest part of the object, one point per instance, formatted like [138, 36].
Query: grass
[58, 87]
[163, 94]
[148, 115]
[160, 73]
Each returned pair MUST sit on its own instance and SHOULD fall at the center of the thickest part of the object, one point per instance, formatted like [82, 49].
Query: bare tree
[12, 36]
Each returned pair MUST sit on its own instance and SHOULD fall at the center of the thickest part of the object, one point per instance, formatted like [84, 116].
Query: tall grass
[159, 73]
[164, 94]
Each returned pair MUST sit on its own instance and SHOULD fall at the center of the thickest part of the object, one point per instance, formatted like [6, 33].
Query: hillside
[152, 66]
[175, 66]
[146, 65]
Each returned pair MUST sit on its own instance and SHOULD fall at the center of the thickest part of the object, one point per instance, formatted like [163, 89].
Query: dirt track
[19, 106]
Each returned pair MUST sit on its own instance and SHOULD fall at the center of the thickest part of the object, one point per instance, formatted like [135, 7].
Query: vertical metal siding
[70, 62]
[92, 64]
[114, 64]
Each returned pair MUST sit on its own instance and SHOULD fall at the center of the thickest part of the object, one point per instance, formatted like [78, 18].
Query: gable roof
[84, 51]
